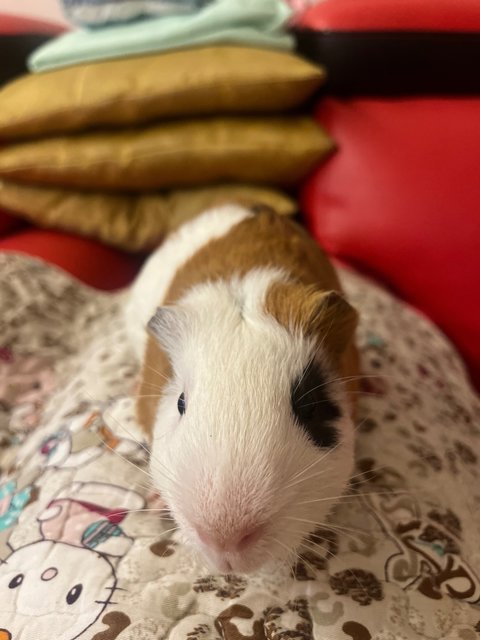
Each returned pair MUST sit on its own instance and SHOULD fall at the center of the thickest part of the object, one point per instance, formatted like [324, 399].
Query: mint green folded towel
[258, 23]
[97, 13]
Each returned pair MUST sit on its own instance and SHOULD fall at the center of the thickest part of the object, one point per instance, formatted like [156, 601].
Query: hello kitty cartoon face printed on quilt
[39, 592]
[61, 584]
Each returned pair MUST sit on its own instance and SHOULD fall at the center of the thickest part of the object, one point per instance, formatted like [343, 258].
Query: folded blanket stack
[125, 129]
[94, 13]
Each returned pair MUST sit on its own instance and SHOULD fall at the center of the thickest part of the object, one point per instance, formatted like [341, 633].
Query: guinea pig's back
[154, 280]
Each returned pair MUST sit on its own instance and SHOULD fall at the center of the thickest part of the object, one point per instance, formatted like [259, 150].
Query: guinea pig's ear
[323, 315]
[165, 326]
[333, 320]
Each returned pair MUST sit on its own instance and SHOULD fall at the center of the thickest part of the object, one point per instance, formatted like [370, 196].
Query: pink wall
[43, 9]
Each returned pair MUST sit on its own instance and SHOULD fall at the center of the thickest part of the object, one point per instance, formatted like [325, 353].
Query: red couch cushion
[393, 47]
[392, 15]
[91, 262]
[400, 200]
[10, 24]
[8, 223]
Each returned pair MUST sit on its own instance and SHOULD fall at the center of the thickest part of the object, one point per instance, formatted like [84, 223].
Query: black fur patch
[313, 408]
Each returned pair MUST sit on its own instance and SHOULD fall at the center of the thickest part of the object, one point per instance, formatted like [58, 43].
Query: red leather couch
[400, 198]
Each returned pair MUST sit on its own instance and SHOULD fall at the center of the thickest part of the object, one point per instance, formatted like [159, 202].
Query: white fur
[237, 459]
[154, 281]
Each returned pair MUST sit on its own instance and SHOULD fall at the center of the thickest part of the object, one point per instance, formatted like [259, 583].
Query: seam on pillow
[151, 96]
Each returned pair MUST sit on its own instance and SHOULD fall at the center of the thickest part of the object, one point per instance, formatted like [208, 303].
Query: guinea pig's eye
[181, 404]
[313, 408]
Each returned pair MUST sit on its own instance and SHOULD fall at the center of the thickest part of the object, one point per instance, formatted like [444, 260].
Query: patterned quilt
[84, 553]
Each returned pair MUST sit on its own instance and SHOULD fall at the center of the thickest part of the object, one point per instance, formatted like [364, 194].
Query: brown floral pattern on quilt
[84, 555]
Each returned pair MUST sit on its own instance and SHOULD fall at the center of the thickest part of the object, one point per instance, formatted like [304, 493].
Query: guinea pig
[242, 386]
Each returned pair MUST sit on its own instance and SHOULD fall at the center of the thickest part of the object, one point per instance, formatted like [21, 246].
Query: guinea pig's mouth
[225, 563]
[231, 562]
[239, 553]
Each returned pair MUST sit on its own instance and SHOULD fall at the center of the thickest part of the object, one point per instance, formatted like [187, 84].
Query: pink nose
[233, 543]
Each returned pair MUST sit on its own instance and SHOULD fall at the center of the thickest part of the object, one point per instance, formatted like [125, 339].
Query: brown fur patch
[324, 315]
[156, 370]
[264, 240]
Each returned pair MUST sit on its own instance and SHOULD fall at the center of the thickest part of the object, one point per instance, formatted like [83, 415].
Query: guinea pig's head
[253, 439]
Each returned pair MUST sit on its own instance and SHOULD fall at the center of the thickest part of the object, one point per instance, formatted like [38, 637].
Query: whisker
[135, 466]
[362, 376]
[304, 373]
[298, 475]
[144, 487]
[309, 543]
[163, 470]
[269, 553]
[290, 553]
[356, 496]
[336, 558]
[315, 524]
[301, 558]
[352, 532]
[119, 455]
[368, 471]
[129, 511]
[108, 413]
[327, 499]
[371, 394]
[343, 379]
[153, 395]
[284, 546]
[117, 421]
[173, 529]
[152, 384]
[160, 373]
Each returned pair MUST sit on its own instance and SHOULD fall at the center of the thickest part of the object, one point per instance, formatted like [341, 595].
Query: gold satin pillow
[129, 91]
[132, 222]
[279, 151]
